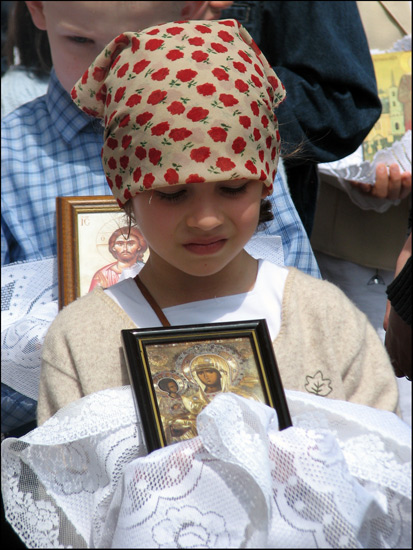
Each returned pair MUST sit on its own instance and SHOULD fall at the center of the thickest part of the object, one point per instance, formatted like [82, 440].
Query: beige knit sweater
[325, 346]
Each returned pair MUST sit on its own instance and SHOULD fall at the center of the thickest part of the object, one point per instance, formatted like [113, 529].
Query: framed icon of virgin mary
[176, 371]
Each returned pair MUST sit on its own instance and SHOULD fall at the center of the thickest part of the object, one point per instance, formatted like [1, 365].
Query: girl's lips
[205, 248]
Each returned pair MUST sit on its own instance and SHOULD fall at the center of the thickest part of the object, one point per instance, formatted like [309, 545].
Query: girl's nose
[205, 216]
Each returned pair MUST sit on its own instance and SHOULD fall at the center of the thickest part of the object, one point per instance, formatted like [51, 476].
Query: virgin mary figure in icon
[213, 375]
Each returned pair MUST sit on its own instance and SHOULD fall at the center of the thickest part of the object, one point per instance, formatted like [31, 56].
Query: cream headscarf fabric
[183, 102]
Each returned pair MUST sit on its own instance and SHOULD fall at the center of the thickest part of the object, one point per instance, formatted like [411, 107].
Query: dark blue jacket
[319, 51]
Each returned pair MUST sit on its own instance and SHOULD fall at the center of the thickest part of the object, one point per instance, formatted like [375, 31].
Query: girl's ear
[264, 193]
[36, 11]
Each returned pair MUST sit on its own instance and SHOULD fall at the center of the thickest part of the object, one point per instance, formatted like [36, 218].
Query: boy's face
[78, 31]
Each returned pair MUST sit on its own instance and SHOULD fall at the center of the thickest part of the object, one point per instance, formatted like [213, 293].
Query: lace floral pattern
[340, 478]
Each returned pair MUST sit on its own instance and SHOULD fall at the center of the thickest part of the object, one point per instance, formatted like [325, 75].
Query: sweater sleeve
[82, 352]
[323, 333]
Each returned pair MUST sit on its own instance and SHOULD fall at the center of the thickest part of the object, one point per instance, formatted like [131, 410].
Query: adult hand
[390, 183]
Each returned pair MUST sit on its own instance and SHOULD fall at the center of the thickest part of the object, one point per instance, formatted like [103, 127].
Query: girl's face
[198, 228]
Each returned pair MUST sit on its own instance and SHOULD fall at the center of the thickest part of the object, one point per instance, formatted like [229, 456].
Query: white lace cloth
[29, 294]
[340, 478]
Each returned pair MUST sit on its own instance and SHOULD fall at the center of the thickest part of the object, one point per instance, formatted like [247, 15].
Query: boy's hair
[31, 43]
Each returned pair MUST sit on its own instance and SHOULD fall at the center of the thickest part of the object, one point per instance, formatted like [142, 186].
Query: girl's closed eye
[171, 197]
[80, 40]
[234, 191]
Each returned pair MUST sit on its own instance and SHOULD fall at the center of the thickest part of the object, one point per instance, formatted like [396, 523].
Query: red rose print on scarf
[118, 181]
[194, 178]
[226, 36]
[99, 74]
[197, 113]
[126, 140]
[258, 69]
[245, 121]
[156, 97]
[179, 134]
[241, 86]
[144, 118]
[206, 89]
[135, 44]
[220, 74]
[240, 66]
[134, 99]
[244, 56]
[122, 39]
[217, 134]
[122, 71]
[173, 55]
[160, 129]
[228, 100]
[171, 176]
[112, 143]
[225, 164]
[200, 154]
[154, 44]
[219, 48]
[112, 163]
[199, 56]
[140, 152]
[120, 92]
[256, 81]
[140, 66]
[155, 156]
[196, 41]
[185, 75]
[239, 145]
[254, 108]
[174, 30]
[148, 180]
[124, 161]
[137, 174]
[203, 29]
[249, 165]
[176, 108]
[161, 74]
[125, 121]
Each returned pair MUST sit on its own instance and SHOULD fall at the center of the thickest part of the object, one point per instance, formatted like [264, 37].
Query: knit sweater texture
[325, 346]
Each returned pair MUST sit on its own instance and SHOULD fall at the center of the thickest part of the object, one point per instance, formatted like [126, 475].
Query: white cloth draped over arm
[340, 478]
[29, 293]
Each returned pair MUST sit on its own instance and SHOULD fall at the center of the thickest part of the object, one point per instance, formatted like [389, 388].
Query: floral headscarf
[183, 102]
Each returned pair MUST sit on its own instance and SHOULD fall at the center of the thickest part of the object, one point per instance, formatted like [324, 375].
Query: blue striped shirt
[50, 148]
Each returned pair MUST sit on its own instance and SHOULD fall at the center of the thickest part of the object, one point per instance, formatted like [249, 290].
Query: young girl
[191, 150]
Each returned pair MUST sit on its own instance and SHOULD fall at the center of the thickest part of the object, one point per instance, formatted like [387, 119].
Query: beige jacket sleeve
[327, 346]
[82, 352]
